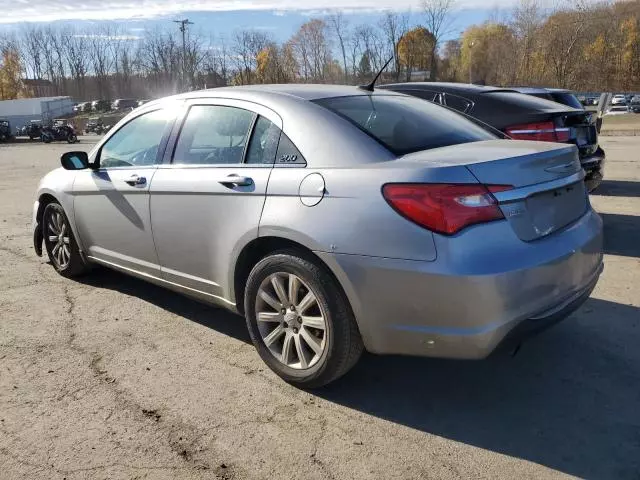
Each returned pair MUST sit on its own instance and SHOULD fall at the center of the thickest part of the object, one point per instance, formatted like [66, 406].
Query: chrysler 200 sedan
[334, 219]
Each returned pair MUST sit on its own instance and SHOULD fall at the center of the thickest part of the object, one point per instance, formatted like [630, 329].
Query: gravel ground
[110, 377]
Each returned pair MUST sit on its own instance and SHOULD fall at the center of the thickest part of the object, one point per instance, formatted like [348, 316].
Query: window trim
[161, 146]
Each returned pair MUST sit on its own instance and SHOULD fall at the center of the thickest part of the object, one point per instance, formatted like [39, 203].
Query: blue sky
[280, 18]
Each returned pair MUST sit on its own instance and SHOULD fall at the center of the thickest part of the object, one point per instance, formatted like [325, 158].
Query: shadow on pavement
[618, 188]
[569, 400]
[621, 234]
[206, 315]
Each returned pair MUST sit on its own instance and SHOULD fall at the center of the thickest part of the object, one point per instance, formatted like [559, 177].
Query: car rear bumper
[593, 167]
[466, 307]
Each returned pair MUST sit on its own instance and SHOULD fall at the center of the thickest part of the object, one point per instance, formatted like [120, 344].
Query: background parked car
[521, 117]
[619, 99]
[123, 104]
[34, 129]
[94, 125]
[101, 105]
[634, 106]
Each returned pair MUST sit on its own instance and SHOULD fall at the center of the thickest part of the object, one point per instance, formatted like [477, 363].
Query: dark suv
[520, 116]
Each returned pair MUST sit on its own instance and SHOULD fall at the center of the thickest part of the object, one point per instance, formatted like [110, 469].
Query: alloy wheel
[59, 239]
[291, 321]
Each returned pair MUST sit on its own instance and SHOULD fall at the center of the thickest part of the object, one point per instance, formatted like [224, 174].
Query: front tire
[300, 320]
[60, 243]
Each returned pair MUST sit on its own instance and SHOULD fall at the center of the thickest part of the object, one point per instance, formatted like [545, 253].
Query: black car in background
[520, 116]
[634, 104]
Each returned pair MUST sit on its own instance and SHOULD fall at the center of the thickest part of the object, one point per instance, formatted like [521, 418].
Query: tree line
[584, 47]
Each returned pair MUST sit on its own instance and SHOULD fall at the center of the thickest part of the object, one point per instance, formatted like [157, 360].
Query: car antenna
[369, 87]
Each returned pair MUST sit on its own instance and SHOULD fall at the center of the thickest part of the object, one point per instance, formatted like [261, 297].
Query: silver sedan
[334, 219]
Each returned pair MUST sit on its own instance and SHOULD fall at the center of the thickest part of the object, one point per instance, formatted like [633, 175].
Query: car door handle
[236, 181]
[136, 181]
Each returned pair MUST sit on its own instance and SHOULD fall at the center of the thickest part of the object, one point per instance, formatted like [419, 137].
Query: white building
[20, 112]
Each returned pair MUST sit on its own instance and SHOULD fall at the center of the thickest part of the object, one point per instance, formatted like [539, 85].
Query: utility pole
[183, 28]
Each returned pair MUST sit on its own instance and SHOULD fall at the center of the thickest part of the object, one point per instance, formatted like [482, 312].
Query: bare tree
[527, 18]
[54, 58]
[394, 26]
[101, 58]
[438, 21]
[340, 27]
[247, 45]
[77, 58]
[32, 52]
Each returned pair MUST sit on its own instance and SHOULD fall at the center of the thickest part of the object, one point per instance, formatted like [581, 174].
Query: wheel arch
[260, 247]
[45, 197]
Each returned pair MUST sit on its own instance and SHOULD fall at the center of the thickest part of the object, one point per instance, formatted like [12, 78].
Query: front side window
[406, 124]
[213, 135]
[136, 143]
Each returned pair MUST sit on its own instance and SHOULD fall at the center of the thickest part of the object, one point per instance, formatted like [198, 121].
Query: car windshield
[406, 124]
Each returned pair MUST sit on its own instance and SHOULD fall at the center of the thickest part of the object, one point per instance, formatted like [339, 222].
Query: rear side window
[406, 124]
[457, 103]
[264, 142]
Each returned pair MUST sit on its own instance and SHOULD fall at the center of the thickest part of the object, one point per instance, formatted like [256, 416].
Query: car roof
[297, 112]
[452, 86]
[531, 90]
[300, 91]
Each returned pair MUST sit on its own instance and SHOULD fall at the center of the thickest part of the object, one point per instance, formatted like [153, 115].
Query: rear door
[207, 199]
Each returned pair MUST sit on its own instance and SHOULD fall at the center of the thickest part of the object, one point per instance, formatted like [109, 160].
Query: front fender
[56, 186]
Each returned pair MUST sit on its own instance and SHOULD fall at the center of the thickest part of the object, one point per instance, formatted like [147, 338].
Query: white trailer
[20, 112]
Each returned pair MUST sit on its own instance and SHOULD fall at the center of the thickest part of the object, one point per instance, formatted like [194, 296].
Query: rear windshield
[567, 99]
[521, 101]
[406, 124]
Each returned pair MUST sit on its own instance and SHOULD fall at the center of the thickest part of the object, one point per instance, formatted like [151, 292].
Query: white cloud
[50, 10]
[122, 38]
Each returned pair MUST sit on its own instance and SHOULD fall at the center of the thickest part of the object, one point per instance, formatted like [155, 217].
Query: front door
[209, 199]
[111, 203]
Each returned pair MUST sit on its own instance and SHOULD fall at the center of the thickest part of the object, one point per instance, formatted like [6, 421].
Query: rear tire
[60, 243]
[324, 341]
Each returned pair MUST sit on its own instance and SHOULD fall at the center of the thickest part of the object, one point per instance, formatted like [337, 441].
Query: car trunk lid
[548, 189]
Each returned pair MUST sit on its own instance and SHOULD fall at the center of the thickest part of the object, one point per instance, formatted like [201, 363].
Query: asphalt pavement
[110, 377]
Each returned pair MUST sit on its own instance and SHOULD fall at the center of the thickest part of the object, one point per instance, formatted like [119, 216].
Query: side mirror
[74, 160]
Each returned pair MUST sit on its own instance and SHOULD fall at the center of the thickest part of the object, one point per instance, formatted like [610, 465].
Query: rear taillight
[540, 131]
[445, 208]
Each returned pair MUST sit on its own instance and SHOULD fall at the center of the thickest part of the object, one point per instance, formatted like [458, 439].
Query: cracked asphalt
[108, 377]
